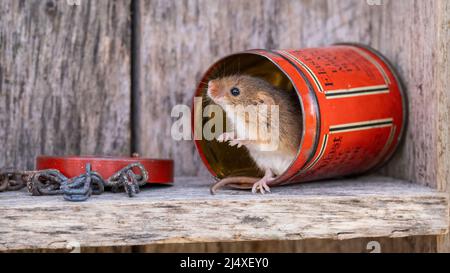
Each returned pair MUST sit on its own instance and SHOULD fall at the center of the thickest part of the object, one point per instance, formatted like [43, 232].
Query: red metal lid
[160, 171]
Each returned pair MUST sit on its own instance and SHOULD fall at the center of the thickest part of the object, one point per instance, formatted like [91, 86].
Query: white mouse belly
[275, 161]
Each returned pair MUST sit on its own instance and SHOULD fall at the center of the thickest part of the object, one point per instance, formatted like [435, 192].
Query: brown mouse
[246, 91]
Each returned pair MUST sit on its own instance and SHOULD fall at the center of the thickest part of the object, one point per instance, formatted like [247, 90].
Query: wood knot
[253, 220]
[50, 8]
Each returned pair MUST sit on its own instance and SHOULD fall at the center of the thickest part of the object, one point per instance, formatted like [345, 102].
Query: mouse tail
[239, 182]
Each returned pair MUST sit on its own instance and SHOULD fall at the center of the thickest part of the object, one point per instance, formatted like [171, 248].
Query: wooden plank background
[64, 79]
[443, 109]
[65, 72]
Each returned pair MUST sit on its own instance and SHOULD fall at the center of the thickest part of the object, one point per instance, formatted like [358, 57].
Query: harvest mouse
[246, 91]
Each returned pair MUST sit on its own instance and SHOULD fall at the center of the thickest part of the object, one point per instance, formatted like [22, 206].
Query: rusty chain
[80, 188]
[127, 179]
[14, 180]
[46, 182]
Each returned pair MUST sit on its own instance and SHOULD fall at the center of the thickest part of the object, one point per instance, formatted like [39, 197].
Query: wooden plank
[443, 107]
[408, 38]
[64, 79]
[343, 209]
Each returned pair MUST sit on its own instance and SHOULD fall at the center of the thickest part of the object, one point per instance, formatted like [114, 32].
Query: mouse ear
[264, 98]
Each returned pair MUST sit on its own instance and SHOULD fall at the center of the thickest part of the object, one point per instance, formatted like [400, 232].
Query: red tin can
[353, 106]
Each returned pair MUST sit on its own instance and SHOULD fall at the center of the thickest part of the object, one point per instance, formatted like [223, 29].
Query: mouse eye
[235, 91]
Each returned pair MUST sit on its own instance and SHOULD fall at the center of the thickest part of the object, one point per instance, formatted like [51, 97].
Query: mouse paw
[261, 185]
[227, 136]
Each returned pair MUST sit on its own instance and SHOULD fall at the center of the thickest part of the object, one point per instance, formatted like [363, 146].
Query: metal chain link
[47, 182]
[14, 180]
[77, 189]
[127, 179]
[80, 188]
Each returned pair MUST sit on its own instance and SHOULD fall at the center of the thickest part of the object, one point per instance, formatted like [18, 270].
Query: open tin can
[352, 103]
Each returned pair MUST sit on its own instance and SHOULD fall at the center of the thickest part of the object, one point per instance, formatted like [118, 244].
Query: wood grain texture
[443, 107]
[64, 79]
[344, 209]
[409, 40]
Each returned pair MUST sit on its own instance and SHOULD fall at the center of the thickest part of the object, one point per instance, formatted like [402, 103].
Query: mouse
[246, 90]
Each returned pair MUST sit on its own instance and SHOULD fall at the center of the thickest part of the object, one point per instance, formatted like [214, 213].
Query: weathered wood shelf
[341, 209]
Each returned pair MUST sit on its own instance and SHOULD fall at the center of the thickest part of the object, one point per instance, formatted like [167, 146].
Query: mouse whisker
[204, 82]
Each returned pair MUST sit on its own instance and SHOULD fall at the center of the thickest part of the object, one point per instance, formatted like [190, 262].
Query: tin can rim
[257, 52]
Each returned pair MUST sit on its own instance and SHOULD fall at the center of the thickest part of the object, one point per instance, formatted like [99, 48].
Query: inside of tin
[223, 159]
